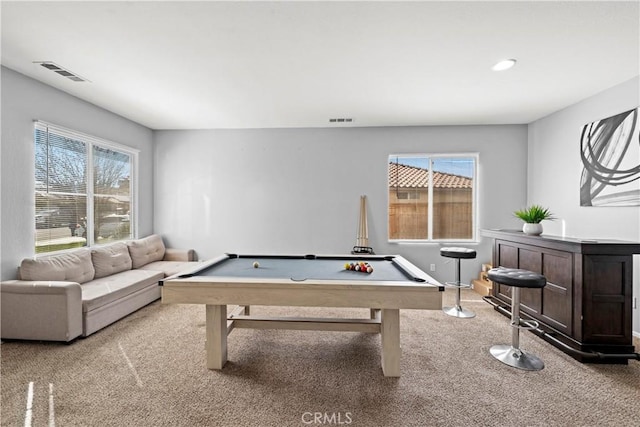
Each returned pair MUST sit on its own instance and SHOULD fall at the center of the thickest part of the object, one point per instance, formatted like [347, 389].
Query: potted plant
[532, 216]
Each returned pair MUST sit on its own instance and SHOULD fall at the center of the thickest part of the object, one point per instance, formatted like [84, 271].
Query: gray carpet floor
[149, 370]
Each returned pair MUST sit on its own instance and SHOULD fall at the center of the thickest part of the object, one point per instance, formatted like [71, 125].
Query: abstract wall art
[610, 153]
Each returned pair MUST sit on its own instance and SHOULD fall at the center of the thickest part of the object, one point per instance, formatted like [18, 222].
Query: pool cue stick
[359, 232]
[362, 238]
[364, 232]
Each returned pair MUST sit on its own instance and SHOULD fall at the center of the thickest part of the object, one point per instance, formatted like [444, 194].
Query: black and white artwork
[610, 153]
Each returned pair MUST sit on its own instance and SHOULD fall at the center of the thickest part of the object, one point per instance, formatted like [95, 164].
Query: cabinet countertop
[574, 244]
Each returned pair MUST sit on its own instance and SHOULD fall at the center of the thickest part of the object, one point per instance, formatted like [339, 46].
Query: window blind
[83, 189]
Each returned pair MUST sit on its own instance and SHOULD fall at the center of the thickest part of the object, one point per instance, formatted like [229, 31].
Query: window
[83, 189]
[405, 195]
[432, 197]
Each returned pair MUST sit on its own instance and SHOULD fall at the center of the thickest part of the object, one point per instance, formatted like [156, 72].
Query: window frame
[475, 211]
[91, 142]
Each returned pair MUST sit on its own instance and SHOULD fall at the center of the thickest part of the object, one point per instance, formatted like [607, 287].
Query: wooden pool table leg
[216, 338]
[390, 335]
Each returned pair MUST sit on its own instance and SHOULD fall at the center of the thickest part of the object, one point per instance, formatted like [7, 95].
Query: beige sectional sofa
[60, 297]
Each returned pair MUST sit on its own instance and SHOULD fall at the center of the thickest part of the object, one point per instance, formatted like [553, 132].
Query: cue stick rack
[362, 237]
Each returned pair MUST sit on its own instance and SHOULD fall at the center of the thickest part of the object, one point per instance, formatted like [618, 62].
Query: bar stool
[512, 355]
[458, 254]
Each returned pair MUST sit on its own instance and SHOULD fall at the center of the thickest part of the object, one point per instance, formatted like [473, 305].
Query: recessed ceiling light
[505, 64]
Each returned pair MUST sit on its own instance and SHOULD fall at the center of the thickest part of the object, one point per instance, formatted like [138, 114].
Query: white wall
[25, 100]
[554, 173]
[298, 190]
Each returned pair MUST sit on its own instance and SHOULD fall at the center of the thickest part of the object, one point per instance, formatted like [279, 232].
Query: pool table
[304, 280]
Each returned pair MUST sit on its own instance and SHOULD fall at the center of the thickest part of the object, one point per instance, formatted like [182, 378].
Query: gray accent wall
[25, 100]
[554, 169]
[298, 190]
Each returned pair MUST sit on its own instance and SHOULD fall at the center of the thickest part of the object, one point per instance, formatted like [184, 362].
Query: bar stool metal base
[457, 311]
[516, 358]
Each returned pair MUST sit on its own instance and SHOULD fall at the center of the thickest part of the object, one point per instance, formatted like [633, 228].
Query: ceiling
[205, 65]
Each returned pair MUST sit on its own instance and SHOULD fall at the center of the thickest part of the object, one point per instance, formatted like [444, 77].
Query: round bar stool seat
[512, 355]
[458, 254]
[517, 277]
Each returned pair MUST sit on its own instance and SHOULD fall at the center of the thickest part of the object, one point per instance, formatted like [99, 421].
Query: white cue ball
[256, 264]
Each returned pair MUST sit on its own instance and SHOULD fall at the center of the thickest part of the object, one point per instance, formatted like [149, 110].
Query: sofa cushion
[75, 266]
[169, 268]
[146, 250]
[111, 259]
[105, 290]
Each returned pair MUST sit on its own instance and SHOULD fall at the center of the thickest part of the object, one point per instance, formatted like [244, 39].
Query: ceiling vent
[63, 72]
[341, 120]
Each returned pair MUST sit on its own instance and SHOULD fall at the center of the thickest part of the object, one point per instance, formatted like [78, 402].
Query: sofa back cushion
[111, 259]
[72, 266]
[146, 250]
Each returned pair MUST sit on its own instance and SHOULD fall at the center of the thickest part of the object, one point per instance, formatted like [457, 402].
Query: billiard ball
[369, 269]
[256, 264]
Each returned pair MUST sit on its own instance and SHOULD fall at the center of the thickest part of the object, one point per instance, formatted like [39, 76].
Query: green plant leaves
[534, 214]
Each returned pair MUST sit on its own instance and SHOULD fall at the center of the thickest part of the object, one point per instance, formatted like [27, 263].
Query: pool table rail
[310, 293]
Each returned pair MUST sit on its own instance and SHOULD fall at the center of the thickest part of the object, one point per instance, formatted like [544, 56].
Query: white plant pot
[532, 229]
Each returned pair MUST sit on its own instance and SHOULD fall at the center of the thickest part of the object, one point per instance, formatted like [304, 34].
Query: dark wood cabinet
[586, 305]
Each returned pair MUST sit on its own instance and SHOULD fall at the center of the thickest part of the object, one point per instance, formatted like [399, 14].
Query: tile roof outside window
[403, 176]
